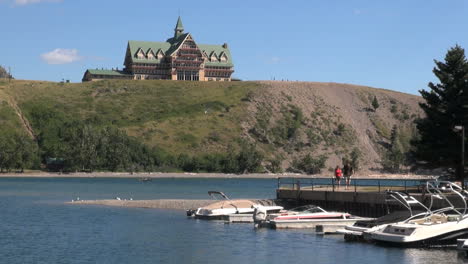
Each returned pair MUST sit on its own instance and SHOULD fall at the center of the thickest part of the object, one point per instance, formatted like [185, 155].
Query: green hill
[283, 121]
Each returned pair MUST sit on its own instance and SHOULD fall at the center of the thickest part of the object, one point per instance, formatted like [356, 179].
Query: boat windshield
[308, 209]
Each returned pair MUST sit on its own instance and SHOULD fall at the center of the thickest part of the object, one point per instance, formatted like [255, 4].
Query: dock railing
[356, 184]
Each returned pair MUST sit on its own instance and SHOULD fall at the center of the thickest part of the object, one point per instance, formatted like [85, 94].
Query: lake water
[37, 227]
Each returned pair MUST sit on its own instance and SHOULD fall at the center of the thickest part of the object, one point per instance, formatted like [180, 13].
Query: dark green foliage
[340, 130]
[275, 165]
[17, 152]
[375, 103]
[309, 164]
[287, 127]
[84, 146]
[394, 157]
[249, 159]
[354, 158]
[261, 130]
[69, 144]
[314, 137]
[446, 106]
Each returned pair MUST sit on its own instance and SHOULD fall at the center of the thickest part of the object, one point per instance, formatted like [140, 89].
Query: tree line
[67, 144]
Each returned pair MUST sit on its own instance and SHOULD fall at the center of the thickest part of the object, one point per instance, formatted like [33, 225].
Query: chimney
[225, 45]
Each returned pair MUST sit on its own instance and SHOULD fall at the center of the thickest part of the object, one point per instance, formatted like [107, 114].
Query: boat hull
[311, 223]
[447, 239]
[223, 214]
[444, 234]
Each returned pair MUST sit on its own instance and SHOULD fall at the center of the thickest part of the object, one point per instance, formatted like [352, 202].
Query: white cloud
[61, 56]
[274, 60]
[27, 2]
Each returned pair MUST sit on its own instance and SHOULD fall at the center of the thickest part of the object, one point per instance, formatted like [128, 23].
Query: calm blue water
[37, 227]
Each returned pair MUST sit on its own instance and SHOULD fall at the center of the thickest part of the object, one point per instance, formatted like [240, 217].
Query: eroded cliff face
[293, 119]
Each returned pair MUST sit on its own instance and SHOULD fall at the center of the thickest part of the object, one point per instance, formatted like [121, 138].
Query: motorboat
[359, 230]
[225, 206]
[434, 228]
[309, 216]
[145, 179]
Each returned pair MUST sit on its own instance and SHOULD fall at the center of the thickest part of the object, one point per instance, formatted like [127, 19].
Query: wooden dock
[366, 201]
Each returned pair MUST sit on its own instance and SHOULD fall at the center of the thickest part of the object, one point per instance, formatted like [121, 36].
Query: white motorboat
[310, 216]
[358, 231]
[226, 206]
[434, 228]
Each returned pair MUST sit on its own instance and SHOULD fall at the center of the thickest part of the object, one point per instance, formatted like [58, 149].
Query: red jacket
[338, 173]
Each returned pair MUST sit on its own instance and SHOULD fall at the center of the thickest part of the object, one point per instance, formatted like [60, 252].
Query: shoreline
[175, 204]
[183, 175]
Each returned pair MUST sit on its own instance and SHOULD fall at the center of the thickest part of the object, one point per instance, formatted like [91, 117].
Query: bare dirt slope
[326, 109]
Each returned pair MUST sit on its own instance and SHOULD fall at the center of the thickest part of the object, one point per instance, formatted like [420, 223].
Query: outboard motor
[259, 215]
[191, 212]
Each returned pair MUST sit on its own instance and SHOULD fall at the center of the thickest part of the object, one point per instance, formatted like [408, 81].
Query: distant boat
[145, 179]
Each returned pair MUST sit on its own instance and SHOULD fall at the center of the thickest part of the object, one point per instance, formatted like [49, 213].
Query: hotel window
[224, 58]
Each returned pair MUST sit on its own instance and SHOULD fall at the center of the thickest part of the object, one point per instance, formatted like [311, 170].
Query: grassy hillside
[177, 116]
[284, 120]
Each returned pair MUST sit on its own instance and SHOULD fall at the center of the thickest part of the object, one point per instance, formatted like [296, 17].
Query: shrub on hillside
[309, 164]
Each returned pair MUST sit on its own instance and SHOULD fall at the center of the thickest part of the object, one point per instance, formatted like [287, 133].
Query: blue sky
[383, 44]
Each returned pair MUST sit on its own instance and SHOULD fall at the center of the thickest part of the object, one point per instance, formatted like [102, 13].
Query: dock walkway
[365, 197]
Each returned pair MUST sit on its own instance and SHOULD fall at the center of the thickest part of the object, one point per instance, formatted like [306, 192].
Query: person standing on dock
[347, 171]
[338, 175]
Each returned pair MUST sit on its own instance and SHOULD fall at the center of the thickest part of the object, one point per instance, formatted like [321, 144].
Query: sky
[378, 43]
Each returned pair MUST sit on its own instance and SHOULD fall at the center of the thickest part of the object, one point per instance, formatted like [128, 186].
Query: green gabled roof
[107, 72]
[176, 42]
[146, 45]
[172, 45]
[179, 25]
[218, 50]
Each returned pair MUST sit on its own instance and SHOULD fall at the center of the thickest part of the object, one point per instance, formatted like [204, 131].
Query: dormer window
[213, 57]
[160, 55]
[150, 54]
[223, 58]
[140, 54]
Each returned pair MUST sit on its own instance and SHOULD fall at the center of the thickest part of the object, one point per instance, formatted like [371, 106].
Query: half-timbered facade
[178, 58]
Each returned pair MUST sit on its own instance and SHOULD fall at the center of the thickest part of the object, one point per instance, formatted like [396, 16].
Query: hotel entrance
[187, 75]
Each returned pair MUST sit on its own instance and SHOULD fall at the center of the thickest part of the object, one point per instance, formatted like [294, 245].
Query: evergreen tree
[355, 157]
[249, 159]
[394, 157]
[446, 106]
[375, 103]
